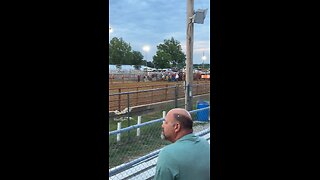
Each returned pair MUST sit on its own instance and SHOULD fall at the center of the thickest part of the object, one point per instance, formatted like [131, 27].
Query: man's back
[187, 158]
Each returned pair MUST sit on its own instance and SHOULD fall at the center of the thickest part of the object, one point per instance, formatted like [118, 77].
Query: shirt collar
[188, 137]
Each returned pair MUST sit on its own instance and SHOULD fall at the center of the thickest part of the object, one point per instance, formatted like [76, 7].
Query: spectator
[188, 157]
[177, 77]
[180, 76]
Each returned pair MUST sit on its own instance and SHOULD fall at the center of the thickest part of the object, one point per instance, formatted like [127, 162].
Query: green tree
[119, 51]
[137, 59]
[150, 64]
[169, 55]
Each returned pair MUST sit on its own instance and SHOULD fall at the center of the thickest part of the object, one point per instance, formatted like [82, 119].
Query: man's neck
[181, 134]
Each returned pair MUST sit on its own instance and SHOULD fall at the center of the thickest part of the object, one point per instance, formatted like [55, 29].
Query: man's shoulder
[168, 149]
[167, 156]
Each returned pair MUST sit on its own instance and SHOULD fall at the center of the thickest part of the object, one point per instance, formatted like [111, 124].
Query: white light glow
[146, 48]
[204, 57]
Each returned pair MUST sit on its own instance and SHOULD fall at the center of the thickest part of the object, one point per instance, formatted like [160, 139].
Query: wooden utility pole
[189, 54]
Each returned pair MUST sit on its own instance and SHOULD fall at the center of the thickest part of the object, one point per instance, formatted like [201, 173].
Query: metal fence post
[128, 116]
[119, 134]
[137, 101]
[139, 122]
[166, 91]
[152, 94]
[119, 100]
[197, 88]
[164, 114]
[176, 97]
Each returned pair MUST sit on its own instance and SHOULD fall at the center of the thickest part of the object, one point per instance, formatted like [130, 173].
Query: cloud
[201, 45]
[141, 22]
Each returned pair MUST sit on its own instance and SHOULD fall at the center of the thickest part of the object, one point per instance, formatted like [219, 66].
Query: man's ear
[177, 127]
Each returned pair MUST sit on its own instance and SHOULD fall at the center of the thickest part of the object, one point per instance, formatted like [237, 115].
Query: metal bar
[142, 91]
[129, 164]
[193, 111]
[148, 123]
[135, 126]
[128, 117]
[119, 100]
[176, 97]
[152, 94]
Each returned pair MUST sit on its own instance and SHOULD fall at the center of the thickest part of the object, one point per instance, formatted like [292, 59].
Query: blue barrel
[204, 114]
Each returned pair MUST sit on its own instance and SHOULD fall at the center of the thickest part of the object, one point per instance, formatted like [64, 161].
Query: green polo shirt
[187, 158]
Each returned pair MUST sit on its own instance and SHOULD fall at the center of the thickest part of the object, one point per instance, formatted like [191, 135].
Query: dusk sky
[149, 22]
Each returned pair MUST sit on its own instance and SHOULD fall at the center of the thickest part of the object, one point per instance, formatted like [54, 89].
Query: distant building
[125, 69]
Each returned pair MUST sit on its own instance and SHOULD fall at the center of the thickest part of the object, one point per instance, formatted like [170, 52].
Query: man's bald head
[182, 116]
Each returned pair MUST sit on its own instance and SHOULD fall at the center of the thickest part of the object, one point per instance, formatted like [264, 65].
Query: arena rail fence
[124, 100]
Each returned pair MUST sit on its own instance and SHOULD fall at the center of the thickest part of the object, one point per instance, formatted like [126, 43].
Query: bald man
[188, 157]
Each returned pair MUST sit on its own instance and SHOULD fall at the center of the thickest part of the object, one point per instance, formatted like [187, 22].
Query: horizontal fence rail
[135, 126]
[128, 165]
[148, 90]
[149, 122]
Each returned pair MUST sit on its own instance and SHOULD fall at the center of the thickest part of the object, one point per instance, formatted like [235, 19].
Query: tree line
[168, 55]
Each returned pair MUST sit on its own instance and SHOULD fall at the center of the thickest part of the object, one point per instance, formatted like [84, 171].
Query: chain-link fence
[129, 146]
[126, 107]
[130, 107]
